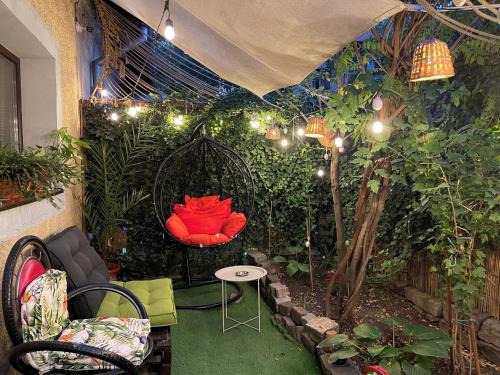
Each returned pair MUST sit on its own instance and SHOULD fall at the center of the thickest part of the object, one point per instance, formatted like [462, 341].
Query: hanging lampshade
[431, 60]
[328, 138]
[274, 134]
[315, 127]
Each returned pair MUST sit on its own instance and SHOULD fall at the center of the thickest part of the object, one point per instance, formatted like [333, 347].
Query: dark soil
[376, 303]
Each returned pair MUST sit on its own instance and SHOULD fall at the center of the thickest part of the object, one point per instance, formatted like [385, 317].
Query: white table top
[229, 273]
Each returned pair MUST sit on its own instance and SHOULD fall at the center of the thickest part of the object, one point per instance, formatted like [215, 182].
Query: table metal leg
[258, 300]
[223, 306]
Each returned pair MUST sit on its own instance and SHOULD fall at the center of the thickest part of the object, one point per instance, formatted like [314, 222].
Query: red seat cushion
[234, 224]
[176, 227]
[206, 239]
[201, 203]
[206, 220]
[30, 271]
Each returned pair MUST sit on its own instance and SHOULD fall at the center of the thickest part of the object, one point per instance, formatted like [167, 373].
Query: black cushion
[70, 251]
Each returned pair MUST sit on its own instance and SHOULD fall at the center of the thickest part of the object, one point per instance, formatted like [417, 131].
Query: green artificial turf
[199, 347]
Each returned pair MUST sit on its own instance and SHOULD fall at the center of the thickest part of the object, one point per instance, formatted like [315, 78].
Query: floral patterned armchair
[34, 299]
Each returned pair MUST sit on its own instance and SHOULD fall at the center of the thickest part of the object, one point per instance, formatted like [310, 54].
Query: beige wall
[58, 18]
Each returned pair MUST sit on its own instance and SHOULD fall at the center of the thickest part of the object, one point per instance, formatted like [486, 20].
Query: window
[10, 103]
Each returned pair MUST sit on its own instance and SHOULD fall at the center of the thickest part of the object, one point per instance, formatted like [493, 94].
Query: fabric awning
[264, 45]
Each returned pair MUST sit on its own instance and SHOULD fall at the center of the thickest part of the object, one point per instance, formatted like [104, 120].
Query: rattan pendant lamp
[431, 60]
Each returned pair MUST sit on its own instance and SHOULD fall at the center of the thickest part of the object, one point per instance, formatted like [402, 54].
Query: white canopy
[263, 45]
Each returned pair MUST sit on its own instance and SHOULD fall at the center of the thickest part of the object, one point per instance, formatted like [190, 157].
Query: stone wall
[303, 326]
[57, 16]
[487, 327]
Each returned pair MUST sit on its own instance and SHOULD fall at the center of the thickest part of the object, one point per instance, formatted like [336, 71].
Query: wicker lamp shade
[274, 134]
[315, 127]
[431, 60]
[328, 139]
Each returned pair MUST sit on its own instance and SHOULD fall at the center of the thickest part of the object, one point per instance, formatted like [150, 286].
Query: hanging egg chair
[203, 197]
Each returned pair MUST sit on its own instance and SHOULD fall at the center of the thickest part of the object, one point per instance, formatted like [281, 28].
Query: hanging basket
[273, 134]
[315, 127]
[431, 60]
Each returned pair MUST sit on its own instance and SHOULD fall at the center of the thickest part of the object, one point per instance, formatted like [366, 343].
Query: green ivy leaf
[374, 185]
[342, 354]
[415, 369]
[367, 331]
[333, 340]
[375, 350]
[279, 259]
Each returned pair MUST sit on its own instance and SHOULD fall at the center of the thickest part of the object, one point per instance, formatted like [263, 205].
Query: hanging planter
[328, 138]
[431, 60]
[273, 134]
[315, 127]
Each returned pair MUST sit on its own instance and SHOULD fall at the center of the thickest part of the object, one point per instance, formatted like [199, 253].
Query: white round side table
[239, 274]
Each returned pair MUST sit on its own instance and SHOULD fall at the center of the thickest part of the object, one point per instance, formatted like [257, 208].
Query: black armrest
[16, 354]
[112, 288]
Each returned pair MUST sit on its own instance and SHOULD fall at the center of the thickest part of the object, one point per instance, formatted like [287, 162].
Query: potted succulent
[37, 172]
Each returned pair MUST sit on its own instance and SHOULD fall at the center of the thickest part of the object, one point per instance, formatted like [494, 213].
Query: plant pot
[10, 192]
[113, 269]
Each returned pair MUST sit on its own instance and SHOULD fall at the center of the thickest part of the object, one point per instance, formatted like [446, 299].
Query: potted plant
[412, 352]
[108, 196]
[37, 172]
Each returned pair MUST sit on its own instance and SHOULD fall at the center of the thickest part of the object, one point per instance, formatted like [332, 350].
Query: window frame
[17, 62]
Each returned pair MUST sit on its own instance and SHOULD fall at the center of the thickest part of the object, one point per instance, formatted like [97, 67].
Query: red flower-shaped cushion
[205, 221]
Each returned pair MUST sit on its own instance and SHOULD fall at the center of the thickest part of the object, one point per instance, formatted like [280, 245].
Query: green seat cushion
[156, 295]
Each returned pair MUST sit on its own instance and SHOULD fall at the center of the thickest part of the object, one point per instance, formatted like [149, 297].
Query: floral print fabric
[44, 316]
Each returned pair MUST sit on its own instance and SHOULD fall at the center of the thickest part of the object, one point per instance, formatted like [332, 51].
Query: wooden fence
[418, 275]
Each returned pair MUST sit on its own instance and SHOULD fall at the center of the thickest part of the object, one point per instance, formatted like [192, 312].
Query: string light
[339, 142]
[300, 132]
[178, 120]
[377, 127]
[284, 142]
[268, 118]
[169, 24]
[104, 93]
[114, 116]
[321, 172]
[132, 111]
[341, 149]
[255, 124]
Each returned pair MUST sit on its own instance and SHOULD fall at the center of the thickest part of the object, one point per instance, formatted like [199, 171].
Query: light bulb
[104, 93]
[307, 243]
[338, 142]
[178, 120]
[255, 124]
[377, 103]
[284, 142]
[326, 156]
[377, 127]
[341, 149]
[132, 111]
[459, 3]
[114, 116]
[300, 132]
[169, 30]
[268, 118]
[321, 172]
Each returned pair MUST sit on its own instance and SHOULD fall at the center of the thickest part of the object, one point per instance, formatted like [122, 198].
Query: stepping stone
[284, 308]
[297, 313]
[307, 318]
[318, 327]
[279, 290]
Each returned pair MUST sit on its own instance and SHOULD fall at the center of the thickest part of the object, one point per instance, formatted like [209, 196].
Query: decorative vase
[113, 269]
[9, 192]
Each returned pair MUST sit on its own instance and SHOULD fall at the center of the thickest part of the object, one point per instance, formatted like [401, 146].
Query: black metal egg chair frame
[203, 167]
[29, 256]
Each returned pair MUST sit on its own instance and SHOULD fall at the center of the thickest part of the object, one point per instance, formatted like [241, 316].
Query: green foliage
[294, 266]
[38, 171]
[411, 351]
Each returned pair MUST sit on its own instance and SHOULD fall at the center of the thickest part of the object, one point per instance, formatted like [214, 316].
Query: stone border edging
[305, 327]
